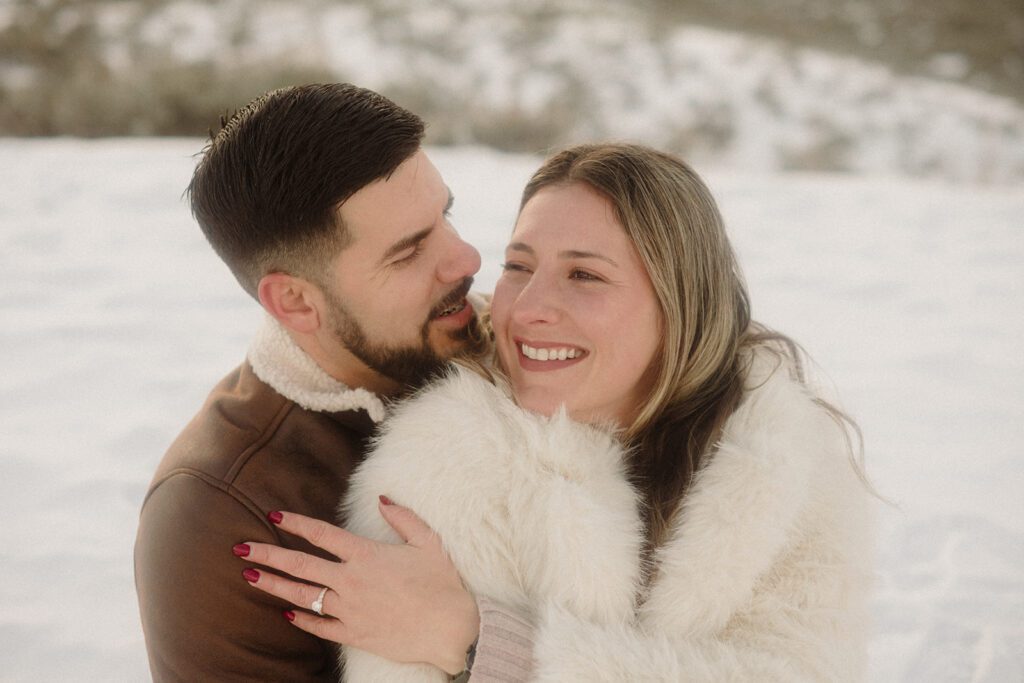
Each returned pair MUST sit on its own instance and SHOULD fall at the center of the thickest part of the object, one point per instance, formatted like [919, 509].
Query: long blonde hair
[673, 221]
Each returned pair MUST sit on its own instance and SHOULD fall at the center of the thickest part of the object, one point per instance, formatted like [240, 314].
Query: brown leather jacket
[250, 450]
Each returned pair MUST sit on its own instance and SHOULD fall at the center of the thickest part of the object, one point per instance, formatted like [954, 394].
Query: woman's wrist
[464, 636]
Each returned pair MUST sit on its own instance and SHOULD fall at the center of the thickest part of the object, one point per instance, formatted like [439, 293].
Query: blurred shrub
[529, 75]
[62, 83]
[981, 43]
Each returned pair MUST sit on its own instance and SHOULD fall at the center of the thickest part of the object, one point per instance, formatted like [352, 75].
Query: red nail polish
[386, 500]
[289, 615]
[275, 517]
[251, 575]
[241, 550]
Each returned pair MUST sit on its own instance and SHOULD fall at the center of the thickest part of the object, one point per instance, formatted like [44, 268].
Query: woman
[646, 471]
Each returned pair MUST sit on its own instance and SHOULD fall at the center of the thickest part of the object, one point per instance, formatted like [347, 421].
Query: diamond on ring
[318, 604]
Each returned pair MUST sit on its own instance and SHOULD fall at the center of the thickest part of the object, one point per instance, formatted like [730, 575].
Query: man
[326, 210]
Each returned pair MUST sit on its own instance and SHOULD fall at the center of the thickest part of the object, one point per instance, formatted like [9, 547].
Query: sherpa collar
[278, 361]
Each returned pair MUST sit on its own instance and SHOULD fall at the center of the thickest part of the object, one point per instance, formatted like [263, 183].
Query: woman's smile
[575, 316]
[544, 356]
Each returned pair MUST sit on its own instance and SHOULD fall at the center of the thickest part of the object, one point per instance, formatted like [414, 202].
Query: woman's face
[575, 316]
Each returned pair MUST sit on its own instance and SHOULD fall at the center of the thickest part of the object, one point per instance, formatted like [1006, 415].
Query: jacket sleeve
[201, 620]
[504, 652]
[569, 648]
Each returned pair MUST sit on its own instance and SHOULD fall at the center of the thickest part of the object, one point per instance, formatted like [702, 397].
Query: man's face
[396, 295]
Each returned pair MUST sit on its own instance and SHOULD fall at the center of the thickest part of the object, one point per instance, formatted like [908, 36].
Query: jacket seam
[220, 485]
[265, 436]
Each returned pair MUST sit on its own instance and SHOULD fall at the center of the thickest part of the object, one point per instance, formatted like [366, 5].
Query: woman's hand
[402, 602]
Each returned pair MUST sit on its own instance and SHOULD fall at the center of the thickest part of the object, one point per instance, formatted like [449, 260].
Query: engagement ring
[318, 604]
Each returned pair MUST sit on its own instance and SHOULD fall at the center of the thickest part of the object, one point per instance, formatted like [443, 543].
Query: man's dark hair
[266, 190]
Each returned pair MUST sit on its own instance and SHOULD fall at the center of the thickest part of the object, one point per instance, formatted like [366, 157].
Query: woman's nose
[538, 302]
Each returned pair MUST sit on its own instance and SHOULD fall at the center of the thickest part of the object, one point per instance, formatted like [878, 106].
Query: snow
[118, 318]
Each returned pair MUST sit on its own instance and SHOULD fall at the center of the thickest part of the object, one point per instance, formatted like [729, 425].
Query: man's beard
[412, 366]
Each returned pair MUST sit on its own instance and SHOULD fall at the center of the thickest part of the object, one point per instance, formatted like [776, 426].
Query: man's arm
[201, 619]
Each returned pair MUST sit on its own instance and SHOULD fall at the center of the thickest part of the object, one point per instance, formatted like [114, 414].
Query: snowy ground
[117, 319]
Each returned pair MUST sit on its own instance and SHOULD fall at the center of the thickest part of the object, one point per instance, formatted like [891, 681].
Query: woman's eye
[517, 267]
[578, 274]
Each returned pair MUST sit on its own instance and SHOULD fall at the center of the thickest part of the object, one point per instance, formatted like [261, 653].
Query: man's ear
[293, 301]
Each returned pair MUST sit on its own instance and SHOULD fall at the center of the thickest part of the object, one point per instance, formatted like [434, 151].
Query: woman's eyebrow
[568, 254]
[573, 253]
[521, 246]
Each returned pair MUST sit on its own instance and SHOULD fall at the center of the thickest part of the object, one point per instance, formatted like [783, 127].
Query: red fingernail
[386, 500]
[251, 575]
[241, 550]
[275, 517]
[289, 615]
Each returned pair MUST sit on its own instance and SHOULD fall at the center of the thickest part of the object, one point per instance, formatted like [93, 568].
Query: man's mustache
[457, 295]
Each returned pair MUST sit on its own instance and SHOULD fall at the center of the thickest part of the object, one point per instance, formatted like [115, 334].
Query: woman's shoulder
[780, 479]
[462, 443]
[459, 390]
[475, 406]
[781, 449]
[437, 452]
[783, 388]
[465, 426]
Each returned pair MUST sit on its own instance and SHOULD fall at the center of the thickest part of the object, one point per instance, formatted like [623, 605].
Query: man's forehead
[394, 208]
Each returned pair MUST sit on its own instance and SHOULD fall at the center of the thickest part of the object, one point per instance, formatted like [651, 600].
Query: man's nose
[460, 260]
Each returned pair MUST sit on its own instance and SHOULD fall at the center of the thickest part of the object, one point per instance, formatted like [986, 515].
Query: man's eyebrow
[406, 243]
[568, 254]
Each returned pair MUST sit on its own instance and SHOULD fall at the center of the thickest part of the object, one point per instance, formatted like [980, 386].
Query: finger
[298, 564]
[406, 523]
[333, 539]
[297, 593]
[321, 627]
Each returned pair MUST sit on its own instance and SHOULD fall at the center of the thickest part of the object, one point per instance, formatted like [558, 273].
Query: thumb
[406, 523]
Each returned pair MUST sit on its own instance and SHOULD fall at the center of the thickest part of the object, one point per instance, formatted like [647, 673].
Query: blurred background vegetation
[57, 78]
[95, 68]
[978, 42]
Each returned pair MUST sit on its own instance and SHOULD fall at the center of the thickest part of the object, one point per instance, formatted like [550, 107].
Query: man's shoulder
[247, 432]
[238, 412]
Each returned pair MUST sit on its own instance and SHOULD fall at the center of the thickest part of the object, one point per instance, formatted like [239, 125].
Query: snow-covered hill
[526, 75]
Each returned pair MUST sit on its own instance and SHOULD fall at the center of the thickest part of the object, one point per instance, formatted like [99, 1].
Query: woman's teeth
[550, 354]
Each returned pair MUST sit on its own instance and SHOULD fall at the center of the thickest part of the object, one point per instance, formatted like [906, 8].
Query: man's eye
[412, 255]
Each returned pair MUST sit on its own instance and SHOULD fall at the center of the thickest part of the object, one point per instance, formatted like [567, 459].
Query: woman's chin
[546, 406]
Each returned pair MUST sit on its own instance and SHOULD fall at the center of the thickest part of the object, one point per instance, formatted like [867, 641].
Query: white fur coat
[764, 577]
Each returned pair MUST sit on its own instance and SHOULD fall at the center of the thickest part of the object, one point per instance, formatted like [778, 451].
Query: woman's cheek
[499, 321]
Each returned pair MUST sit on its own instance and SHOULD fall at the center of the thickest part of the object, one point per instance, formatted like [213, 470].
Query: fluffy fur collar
[277, 360]
[763, 576]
